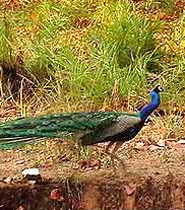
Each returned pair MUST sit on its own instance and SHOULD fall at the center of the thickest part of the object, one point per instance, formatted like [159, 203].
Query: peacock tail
[27, 130]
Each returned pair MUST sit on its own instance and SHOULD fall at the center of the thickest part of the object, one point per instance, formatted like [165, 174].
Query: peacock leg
[118, 145]
[114, 156]
[108, 146]
[109, 153]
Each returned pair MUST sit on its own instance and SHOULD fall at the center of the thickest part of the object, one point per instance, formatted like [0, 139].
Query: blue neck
[148, 109]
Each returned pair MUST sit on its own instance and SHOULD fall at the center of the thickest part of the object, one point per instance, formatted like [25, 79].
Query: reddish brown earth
[153, 179]
[98, 192]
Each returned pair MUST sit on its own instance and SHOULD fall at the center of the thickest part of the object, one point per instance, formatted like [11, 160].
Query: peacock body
[90, 127]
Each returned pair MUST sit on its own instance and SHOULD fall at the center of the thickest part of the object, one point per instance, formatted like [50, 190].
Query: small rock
[32, 174]
[31, 171]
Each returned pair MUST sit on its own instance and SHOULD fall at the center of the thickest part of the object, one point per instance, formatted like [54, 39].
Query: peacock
[90, 127]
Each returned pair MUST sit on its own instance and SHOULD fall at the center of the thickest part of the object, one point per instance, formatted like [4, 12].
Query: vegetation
[86, 55]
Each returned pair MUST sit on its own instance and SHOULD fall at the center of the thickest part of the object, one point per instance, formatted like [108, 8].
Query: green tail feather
[17, 143]
[17, 132]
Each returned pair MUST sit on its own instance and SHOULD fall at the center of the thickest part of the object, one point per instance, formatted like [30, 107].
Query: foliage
[83, 52]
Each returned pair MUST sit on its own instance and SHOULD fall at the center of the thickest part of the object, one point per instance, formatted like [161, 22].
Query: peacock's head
[158, 89]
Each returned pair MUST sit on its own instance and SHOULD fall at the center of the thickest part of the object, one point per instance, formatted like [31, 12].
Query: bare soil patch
[87, 180]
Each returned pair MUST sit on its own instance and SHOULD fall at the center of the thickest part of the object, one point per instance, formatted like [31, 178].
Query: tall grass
[76, 51]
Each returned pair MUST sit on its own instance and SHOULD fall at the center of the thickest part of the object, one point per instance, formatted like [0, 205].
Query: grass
[103, 54]
[166, 6]
[40, 37]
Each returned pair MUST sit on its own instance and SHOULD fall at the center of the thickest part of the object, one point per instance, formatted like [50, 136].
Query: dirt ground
[56, 163]
[153, 178]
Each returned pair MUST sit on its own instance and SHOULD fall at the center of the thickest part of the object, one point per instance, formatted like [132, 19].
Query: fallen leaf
[56, 194]
[161, 143]
[65, 158]
[20, 208]
[47, 165]
[32, 182]
[181, 141]
[75, 204]
[8, 180]
[84, 164]
[130, 189]
[95, 163]
[90, 164]
[180, 146]
[20, 162]
[139, 146]
[171, 144]
[154, 147]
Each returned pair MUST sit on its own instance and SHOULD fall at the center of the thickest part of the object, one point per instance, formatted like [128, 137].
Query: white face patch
[160, 88]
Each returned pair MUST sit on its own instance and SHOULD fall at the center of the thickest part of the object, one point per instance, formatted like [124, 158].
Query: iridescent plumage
[92, 127]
